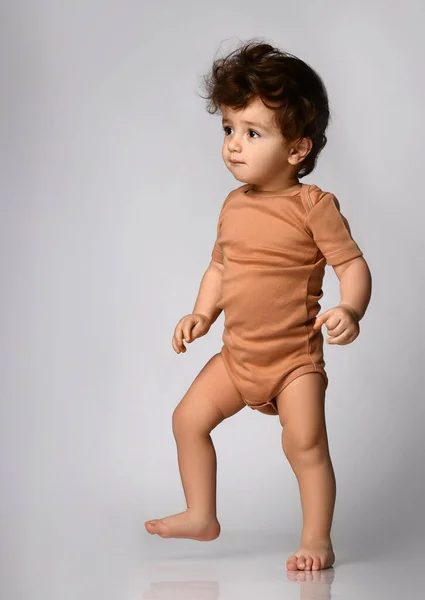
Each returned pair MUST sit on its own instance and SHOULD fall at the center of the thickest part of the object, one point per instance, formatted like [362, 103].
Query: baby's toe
[316, 563]
[291, 563]
[153, 526]
[308, 563]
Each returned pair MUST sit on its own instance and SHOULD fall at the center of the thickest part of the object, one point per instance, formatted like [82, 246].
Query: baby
[275, 236]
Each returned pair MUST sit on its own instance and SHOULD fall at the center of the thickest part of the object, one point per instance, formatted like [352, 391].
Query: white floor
[251, 566]
[97, 558]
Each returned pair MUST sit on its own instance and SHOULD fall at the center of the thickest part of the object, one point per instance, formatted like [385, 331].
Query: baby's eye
[225, 129]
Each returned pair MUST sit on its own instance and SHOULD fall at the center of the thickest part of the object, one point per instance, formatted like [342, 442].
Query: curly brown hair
[283, 82]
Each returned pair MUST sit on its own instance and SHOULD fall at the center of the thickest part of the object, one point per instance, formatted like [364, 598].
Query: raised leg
[305, 444]
[211, 398]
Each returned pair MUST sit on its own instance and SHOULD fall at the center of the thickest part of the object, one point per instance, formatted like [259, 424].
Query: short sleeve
[217, 251]
[331, 231]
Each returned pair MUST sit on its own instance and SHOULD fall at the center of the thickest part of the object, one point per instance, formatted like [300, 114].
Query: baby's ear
[299, 151]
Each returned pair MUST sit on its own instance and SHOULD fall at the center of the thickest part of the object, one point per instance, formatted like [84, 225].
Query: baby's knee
[186, 421]
[180, 420]
[307, 446]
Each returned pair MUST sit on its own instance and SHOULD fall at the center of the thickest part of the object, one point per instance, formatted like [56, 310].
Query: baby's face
[259, 145]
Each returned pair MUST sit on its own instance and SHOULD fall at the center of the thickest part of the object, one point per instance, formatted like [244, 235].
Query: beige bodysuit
[274, 249]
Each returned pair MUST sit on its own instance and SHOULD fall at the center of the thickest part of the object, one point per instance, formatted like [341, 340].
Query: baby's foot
[185, 525]
[311, 557]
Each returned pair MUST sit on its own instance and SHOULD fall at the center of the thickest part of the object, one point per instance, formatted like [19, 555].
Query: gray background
[112, 181]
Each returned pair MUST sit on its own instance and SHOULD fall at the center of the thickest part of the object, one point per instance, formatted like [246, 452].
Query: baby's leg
[211, 398]
[305, 443]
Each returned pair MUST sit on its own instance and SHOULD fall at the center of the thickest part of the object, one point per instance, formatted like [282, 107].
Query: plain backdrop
[112, 181]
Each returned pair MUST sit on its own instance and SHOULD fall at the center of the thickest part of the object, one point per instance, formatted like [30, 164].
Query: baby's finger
[320, 319]
[340, 339]
[333, 322]
[340, 328]
[178, 347]
[187, 332]
[318, 322]
[175, 347]
[178, 335]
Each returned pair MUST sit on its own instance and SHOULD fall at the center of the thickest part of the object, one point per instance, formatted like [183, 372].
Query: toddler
[275, 236]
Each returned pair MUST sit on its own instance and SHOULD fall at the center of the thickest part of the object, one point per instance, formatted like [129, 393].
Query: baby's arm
[342, 321]
[355, 285]
[210, 292]
[204, 312]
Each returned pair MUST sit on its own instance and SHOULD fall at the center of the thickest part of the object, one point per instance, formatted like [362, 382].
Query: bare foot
[311, 557]
[185, 525]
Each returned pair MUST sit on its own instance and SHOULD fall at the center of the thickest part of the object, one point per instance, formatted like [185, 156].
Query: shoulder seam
[308, 197]
[309, 203]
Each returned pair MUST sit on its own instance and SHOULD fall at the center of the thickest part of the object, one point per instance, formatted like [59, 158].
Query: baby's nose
[234, 146]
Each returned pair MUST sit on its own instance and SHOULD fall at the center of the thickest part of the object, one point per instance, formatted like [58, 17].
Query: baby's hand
[342, 324]
[189, 328]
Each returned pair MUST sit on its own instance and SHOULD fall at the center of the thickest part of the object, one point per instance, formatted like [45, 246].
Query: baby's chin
[239, 178]
[238, 173]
